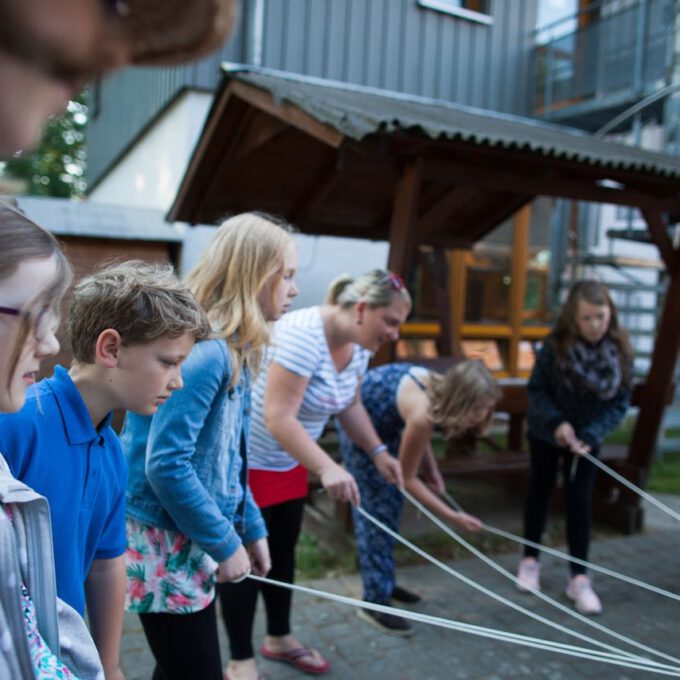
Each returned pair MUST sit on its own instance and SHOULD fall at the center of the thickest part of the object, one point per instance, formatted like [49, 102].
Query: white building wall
[320, 260]
[149, 174]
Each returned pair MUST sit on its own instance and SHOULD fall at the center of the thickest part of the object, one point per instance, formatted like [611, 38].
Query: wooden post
[643, 442]
[659, 378]
[518, 282]
[457, 288]
[447, 345]
[403, 239]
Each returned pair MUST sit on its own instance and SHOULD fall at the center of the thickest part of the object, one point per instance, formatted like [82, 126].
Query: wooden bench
[514, 456]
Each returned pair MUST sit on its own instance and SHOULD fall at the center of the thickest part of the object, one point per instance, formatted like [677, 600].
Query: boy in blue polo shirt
[131, 326]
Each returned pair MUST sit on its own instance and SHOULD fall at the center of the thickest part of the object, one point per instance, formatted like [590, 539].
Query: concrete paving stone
[358, 651]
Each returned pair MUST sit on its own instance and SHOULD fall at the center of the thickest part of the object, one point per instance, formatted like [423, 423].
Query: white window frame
[448, 8]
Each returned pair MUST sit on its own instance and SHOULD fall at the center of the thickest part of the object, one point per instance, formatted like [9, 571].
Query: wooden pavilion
[343, 160]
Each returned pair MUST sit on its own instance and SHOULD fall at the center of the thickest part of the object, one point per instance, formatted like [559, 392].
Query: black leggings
[578, 497]
[239, 600]
[184, 645]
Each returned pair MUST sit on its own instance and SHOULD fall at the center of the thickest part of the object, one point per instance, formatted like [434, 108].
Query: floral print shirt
[46, 664]
[166, 571]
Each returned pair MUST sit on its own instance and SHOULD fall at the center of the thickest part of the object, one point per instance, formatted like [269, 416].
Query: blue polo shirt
[52, 446]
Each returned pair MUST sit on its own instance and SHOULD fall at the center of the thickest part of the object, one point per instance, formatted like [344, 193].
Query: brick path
[357, 651]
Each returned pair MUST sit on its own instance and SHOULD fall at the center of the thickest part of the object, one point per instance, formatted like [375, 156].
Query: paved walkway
[357, 651]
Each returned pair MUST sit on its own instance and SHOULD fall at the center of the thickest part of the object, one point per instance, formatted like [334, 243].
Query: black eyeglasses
[42, 323]
[10, 311]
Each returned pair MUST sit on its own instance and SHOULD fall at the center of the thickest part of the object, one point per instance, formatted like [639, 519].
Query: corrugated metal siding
[399, 45]
[390, 44]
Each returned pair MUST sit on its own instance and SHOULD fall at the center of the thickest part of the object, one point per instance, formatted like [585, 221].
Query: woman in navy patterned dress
[405, 403]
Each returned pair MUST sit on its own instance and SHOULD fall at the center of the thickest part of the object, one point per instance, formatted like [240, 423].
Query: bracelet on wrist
[380, 448]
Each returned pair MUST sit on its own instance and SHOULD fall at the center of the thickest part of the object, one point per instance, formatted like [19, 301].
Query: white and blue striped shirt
[299, 344]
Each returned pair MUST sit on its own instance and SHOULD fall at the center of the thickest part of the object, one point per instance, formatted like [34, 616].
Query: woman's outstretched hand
[339, 484]
[468, 522]
[390, 468]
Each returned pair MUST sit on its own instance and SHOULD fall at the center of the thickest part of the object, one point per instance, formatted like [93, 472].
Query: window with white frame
[473, 10]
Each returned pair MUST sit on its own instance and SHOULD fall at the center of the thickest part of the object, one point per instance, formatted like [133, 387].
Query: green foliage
[312, 560]
[665, 474]
[57, 167]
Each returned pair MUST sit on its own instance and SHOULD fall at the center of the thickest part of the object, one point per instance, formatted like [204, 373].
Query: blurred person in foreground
[49, 51]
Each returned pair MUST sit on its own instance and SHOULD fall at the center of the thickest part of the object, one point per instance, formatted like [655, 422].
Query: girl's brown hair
[455, 393]
[21, 240]
[566, 332]
[244, 254]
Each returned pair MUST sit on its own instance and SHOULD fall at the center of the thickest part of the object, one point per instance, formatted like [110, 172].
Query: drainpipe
[640, 45]
[254, 32]
[672, 104]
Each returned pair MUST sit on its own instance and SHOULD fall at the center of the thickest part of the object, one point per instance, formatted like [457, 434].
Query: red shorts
[272, 488]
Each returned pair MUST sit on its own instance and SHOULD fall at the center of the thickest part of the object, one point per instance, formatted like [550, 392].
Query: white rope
[562, 555]
[491, 633]
[621, 479]
[603, 570]
[549, 600]
[500, 598]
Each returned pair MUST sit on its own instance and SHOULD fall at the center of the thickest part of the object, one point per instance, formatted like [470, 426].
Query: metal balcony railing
[615, 48]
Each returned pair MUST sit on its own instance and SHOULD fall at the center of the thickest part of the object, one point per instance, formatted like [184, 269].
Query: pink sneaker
[581, 592]
[527, 575]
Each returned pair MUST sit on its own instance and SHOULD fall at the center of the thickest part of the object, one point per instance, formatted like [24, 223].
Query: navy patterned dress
[382, 500]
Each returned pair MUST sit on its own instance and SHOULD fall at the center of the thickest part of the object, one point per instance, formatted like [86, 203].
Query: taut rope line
[500, 598]
[491, 633]
[549, 600]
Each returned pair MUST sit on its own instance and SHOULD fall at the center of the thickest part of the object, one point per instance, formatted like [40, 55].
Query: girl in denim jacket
[191, 518]
[579, 391]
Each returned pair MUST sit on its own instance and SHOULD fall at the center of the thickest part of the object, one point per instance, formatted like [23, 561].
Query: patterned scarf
[593, 368]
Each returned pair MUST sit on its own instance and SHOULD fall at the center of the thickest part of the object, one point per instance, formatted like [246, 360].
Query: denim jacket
[186, 461]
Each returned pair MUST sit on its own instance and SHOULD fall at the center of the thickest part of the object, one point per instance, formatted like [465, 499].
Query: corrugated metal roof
[63, 217]
[358, 112]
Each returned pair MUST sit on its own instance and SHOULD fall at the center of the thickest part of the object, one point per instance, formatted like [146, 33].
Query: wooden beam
[320, 190]
[518, 281]
[262, 130]
[659, 378]
[287, 112]
[447, 344]
[544, 185]
[403, 220]
[441, 210]
[659, 232]
[499, 211]
[402, 232]
[457, 288]
[201, 166]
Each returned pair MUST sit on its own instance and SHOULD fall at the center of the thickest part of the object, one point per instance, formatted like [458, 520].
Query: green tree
[57, 166]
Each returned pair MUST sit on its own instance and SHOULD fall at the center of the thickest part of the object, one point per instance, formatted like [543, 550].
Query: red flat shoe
[296, 658]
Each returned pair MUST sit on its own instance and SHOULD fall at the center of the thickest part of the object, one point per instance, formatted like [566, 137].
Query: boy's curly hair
[142, 301]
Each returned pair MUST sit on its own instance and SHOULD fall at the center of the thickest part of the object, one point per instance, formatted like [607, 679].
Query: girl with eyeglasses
[34, 275]
[313, 371]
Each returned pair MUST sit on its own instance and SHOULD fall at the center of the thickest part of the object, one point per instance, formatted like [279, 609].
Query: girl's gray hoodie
[26, 556]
